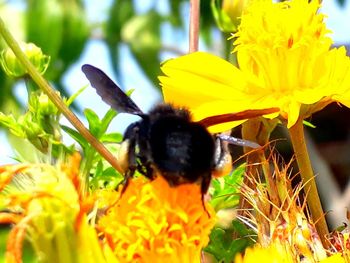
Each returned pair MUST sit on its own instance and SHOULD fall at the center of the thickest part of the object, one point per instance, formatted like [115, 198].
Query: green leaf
[309, 124]
[111, 172]
[11, 123]
[108, 178]
[76, 136]
[94, 122]
[129, 92]
[106, 120]
[224, 247]
[114, 137]
[99, 169]
[58, 148]
[25, 150]
[75, 95]
[225, 190]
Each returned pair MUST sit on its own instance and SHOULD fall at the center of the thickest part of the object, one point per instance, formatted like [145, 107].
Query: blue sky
[145, 95]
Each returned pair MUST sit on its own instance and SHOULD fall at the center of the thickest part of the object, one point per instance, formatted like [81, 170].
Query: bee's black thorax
[167, 140]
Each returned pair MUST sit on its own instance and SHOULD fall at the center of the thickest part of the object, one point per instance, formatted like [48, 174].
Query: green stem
[46, 88]
[298, 140]
[29, 85]
[85, 173]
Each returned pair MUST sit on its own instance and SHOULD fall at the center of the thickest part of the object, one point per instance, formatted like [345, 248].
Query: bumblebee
[166, 141]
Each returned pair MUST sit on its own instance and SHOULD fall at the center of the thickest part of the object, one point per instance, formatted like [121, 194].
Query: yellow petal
[292, 110]
[199, 77]
[336, 258]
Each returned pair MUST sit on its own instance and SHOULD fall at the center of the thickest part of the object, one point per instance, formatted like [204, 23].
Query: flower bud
[227, 13]
[41, 104]
[234, 8]
[14, 68]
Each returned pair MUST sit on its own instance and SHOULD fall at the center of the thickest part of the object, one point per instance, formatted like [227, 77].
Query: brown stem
[194, 26]
[50, 92]
[302, 156]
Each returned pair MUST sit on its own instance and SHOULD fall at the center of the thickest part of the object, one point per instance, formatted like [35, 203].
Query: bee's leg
[125, 183]
[145, 168]
[128, 175]
[204, 189]
[128, 156]
[145, 155]
[222, 158]
[127, 159]
[132, 165]
[237, 141]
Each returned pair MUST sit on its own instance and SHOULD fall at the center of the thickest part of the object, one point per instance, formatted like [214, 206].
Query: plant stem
[257, 131]
[50, 92]
[85, 171]
[298, 140]
[194, 25]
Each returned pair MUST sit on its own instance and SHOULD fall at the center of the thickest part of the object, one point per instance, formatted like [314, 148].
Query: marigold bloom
[45, 205]
[153, 222]
[285, 61]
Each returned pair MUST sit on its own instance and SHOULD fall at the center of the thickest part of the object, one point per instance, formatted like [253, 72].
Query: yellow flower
[153, 222]
[46, 206]
[285, 61]
[336, 258]
[270, 254]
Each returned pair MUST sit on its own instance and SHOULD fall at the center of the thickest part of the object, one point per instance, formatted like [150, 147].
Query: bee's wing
[109, 91]
[238, 116]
